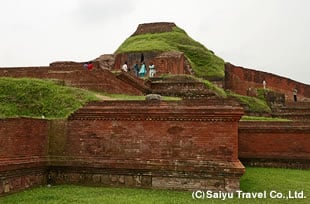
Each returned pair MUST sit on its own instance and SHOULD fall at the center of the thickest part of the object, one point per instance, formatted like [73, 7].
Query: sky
[266, 35]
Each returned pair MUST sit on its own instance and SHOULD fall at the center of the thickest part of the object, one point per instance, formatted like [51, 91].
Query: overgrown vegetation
[255, 118]
[39, 98]
[203, 61]
[251, 104]
[255, 180]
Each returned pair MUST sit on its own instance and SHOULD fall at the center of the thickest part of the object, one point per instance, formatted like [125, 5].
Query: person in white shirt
[152, 70]
[125, 67]
[264, 84]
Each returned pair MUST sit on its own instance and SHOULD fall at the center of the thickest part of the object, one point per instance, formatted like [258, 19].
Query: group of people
[140, 71]
[88, 65]
[294, 90]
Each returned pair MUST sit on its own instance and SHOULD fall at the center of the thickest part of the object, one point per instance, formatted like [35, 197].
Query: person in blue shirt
[142, 71]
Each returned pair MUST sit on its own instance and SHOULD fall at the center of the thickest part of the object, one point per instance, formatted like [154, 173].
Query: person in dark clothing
[295, 94]
[136, 68]
[142, 58]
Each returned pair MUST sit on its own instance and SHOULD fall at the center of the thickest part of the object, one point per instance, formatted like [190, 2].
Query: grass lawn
[26, 97]
[254, 180]
[256, 118]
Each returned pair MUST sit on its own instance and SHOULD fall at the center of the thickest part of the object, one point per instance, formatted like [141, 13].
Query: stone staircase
[180, 88]
[134, 81]
[293, 111]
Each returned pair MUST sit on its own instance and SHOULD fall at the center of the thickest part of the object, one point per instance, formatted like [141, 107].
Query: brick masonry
[277, 144]
[74, 74]
[141, 144]
[159, 27]
[164, 62]
[239, 80]
[23, 153]
[174, 145]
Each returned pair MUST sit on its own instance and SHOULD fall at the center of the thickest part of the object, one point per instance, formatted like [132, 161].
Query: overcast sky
[266, 35]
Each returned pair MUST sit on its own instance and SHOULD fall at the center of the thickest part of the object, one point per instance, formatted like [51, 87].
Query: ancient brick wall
[188, 145]
[75, 75]
[164, 62]
[159, 27]
[239, 80]
[182, 89]
[275, 143]
[161, 144]
[23, 153]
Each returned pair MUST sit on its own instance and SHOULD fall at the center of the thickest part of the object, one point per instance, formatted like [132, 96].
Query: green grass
[255, 118]
[203, 61]
[251, 104]
[25, 97]
[254, 180]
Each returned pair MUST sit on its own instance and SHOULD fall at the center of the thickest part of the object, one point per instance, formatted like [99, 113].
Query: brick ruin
[116, 143]
[165, 62]
[240, 80]
[113, 143]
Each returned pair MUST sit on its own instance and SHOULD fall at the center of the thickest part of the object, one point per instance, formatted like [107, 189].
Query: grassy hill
[203, 61]
[39, 98]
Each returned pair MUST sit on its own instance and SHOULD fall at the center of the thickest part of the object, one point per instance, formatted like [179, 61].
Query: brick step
[293, 115]
[293, 110]
[298, 104]
[133, 81]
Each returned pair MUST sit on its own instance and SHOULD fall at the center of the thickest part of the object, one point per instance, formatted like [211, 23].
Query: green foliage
[254, 180]
[219, 91]
[262, 92]
[255, 118]
[253, 104]
[37, 98]
[203, 61]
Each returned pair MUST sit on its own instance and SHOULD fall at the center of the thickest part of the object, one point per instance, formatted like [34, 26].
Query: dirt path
[104, 98]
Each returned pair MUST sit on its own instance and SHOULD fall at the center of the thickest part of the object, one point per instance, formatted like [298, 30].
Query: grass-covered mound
[203, 61]
[251, 104]
[39, 98]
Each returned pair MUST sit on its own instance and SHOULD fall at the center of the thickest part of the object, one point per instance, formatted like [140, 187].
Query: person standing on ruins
[125, 67]
[264, 84]
[90, 66]
[295, 94]
[136, 68]
[142, 71]
[152, 70]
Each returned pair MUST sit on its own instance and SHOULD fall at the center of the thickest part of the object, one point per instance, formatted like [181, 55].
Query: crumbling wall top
[159, 27]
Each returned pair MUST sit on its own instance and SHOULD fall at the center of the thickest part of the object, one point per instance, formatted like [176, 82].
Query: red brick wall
[154, 28]
[145, 144]
[23, 139]
[163, 139]
[274, 141]
[162, 142]
[23, 153]
[239, 80]
[164, 62]
[75, 75]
